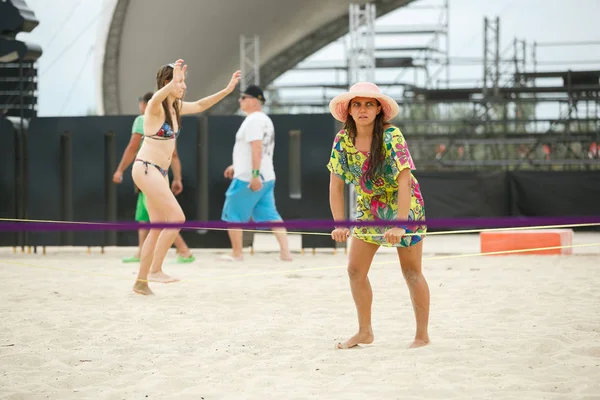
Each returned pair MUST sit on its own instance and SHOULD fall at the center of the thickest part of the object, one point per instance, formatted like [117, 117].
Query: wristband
[255, 173]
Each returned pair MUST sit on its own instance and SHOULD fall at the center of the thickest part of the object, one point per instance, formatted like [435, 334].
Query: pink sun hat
[339, 104]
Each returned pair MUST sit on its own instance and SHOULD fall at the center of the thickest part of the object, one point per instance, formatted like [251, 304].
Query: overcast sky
[68, 30]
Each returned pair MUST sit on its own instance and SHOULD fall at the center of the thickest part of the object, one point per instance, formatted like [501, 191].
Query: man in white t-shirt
[251, 192]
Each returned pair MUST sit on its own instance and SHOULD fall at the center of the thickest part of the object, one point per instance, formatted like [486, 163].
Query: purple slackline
[307, 225]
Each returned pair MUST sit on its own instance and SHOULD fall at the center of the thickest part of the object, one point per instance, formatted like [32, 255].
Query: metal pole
[19, 182]
[110, 189]
[202, 164]
[497, 59]
[485, 55]
[447, 7]
[256, 61]
[249, 61]
[534, 62]
[242, 64]
[66, 178]
[485, 74]
[19, 151]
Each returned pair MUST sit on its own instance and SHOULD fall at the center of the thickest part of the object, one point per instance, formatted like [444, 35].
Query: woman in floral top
[372, 155]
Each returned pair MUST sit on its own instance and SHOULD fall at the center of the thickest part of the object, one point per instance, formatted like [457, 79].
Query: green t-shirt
[138, 128]
[138, 125]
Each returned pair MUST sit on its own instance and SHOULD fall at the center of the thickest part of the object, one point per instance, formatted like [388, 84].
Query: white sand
[508, 327]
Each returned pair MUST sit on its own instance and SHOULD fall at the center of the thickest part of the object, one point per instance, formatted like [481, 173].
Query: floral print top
[377, 199]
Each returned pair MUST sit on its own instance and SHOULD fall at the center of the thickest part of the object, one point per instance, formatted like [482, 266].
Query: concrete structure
[138, 36]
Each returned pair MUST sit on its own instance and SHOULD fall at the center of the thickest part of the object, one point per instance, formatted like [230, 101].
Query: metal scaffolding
[404, 49]
[249, 61]
[491, 58]
[361, 54]
[520, 113]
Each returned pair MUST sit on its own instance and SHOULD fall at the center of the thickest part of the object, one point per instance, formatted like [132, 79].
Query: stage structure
[521, 113]
[209, 46]
[411, 64]
[249, 61]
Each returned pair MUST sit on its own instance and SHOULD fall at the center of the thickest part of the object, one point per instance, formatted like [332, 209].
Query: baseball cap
[255, 91]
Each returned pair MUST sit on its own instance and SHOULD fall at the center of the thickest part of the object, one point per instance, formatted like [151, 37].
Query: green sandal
[132, 259]
[182, 260]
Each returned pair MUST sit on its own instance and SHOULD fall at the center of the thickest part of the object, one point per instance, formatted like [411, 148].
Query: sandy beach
[502, 327]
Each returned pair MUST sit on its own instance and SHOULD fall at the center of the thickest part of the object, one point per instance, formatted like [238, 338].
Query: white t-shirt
[256, 126]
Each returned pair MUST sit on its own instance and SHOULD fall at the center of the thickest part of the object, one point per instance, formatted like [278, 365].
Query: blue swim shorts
[243, 204]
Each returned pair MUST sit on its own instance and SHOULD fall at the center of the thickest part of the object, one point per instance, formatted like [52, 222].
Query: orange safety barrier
[527, 239]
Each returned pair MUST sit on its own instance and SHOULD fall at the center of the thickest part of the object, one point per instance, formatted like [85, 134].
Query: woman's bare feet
[185, 254]
[285, 256]
[365, 337]
[419, 343]
[142, 288]
[231, 258]
[161, 277]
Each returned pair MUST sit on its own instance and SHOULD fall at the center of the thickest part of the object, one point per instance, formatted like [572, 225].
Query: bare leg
[163, 243]
[141, 284]
[182, 247]
[236, 238]
[142, 235]
[360, 258]
[162, 207]
[284, 248]
[411, 262]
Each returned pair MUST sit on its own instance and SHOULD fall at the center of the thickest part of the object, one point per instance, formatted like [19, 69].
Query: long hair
[377, 154]
[164, 74]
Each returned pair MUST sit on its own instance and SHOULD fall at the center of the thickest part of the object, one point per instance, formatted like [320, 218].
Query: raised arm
[155, 104]
[198, 106]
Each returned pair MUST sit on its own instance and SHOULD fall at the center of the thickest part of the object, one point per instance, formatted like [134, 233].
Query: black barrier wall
[67, 181]
[546, 194]
[8, 179]
[464, 194]
[61, 169]
[72, 161]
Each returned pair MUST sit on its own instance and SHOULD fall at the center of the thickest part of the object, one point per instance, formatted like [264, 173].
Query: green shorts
[141, 211]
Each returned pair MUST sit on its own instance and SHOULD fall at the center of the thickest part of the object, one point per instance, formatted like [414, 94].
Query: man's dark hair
[146, 98]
